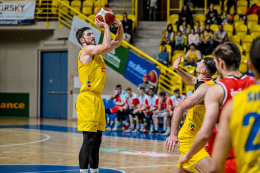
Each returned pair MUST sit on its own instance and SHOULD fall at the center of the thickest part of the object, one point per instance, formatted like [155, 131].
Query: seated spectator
[185, 15]
[146, 85]
[184, 28]
[254, 9]
[193, 38]
[224, 18]
[168, 36]
[192, 56]
[206, 41]
[163, 56]
[131, 105]
[176, 99]
[127, 25]
[198, 28]
[212, 15]
[152, 6]
[220, 35]
[162, 112]
[230, 3]
[113, 29]
[179, 41]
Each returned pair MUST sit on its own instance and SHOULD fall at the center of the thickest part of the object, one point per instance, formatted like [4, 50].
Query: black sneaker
[154, 132]
[162, 132]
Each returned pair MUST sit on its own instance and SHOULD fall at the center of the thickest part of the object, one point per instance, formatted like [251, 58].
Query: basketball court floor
[30, 145]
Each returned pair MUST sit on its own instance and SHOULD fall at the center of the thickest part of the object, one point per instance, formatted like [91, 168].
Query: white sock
[151, 127]
[164, 128]
[94, 170]
[156, 127]
[132, 126]
[83, 170]
[125, 123]
[142, 126]
[116, 124]
[137, 126]
[168, 129]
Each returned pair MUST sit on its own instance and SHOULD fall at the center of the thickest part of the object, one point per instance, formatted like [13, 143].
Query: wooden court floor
[33, 141]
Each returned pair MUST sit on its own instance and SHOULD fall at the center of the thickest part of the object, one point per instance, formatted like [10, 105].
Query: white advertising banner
[78, 23]
[17, 12]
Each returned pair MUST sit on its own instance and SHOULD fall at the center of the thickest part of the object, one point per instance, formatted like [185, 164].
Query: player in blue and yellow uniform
[89, 106]
[240, 124]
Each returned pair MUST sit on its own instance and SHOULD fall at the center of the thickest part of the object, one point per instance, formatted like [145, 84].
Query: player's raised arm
[222, 142]
[117, 41]
[179, 110]
[185, 76]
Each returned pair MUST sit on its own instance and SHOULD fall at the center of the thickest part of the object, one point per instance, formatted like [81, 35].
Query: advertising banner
[117, 58]
[14, 104]
[78, 23]
[17, 12]
[137, 67]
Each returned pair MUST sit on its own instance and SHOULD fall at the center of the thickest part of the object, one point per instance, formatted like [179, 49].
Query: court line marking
[148, 166]
[47, 138]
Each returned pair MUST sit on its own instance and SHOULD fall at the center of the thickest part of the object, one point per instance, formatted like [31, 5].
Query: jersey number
[250, 146]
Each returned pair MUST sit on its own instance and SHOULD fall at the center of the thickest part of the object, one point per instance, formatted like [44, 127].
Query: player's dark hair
[162, 93]
[118, 86]
[229, 53]
[128, 89]
[176, 91]
[210, 66]
[151, 89]
[80, 33]
[255, 54]
[125, 13]
[142, 88]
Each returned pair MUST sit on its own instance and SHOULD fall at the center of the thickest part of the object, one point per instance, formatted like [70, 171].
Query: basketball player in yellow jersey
[90, 107]
[205, 69]
[240, 124]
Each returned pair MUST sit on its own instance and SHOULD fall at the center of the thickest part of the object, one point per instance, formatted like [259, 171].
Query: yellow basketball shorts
[185, 145]
[90, 112]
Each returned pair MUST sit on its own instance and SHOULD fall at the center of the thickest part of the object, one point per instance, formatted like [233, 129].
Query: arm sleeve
[199, 55]
[187, 54]
[135, 101]
[157, 102]
[170, 102]
[146, 102]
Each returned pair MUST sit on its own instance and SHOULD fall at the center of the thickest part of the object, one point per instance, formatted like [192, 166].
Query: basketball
[153, 77]
[105, 15]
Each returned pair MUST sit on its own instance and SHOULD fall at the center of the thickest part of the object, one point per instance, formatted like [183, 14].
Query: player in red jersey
[227, 58]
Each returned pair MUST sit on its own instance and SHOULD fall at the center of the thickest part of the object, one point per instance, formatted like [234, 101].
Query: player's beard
[89, 43]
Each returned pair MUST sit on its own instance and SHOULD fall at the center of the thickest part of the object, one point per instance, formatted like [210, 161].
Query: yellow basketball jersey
[194, 118]
[244, 128]
[92, 76]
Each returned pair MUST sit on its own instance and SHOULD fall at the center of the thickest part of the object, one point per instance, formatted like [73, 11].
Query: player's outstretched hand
[176, 64]
[100, 24]
[118, 23]
[183, 160]
[171, 142]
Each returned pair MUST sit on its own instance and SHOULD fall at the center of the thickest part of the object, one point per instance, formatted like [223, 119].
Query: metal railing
[180, 8]
[61, 11]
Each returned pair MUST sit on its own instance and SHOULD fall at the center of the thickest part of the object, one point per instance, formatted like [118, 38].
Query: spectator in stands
[192, 56]
[146, 85]
[168, 36]
[163, 56]
[152, 103]
[152, 6]
[220, 35]
[179, 41]
[193, 38]
[230, 3]
[162, 112]
[131, 105]
[184, 28]
[224, 18]
[212, 15]
[127, 24]
[254, 9]
[138, 113]
[185, 15]
[198, 28]
[113, 29]
[206, 41]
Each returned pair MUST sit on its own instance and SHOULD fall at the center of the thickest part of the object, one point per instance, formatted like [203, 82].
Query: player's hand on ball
[176, 64]
[101, 24]
[118, 23]
[171, 142]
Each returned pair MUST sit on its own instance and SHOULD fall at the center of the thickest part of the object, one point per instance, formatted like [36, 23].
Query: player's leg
[156, 124]
[132, 126]
[137, 119]
[88, 141]
[203, 165]
[94, 153]
[167, 119]
[181, 171]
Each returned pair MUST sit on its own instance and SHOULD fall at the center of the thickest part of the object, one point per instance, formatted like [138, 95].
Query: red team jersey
[152, 102]
[141, 101]
[133, 99]
[231, 86]
[120, 101]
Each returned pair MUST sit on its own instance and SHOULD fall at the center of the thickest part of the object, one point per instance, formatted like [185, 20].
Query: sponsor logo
[137, 67]
[88, 83]
[98, 58]
[103, 69]
[191, 127]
